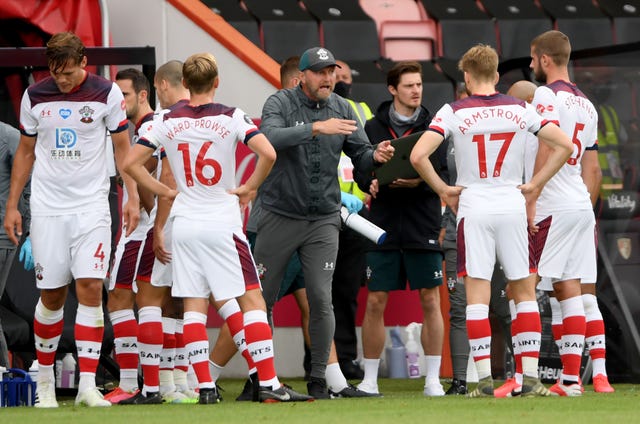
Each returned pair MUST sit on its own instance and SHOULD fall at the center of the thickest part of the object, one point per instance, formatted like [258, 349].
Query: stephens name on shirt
[582, 103]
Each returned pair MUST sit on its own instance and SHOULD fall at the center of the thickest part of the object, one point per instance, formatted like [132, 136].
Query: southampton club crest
[322, 54]
[624, 247]
[261, 270]
[86, 112]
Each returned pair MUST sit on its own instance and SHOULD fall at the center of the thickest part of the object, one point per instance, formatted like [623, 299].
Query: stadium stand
[461, 24]
[237, 17]
[369, 83]
[626, 19]
[345, 29]
[519, 21]
[582, 21]
[286, 29]
[405, 31]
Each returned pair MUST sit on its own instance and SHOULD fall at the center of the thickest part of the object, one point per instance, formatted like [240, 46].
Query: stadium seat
[397, 10]
[626, 19]
[584, 24]
[407, 40]
[461, 25]
[369, 83]
[286, 29]
[519, 21]
[237, 17]
[345, 29]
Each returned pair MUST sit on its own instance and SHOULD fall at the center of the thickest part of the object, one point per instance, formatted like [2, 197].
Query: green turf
[403, 402]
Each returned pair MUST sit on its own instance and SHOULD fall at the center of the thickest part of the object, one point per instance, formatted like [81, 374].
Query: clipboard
[399, 166]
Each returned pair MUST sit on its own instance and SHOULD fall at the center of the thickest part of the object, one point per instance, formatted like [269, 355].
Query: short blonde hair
[481, 61]
[199, 72]
[554, 44]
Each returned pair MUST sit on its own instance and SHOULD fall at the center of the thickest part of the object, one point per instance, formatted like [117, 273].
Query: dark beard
[541, 77]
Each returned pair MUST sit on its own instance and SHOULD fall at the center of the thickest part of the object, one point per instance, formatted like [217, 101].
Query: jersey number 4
[482, 151]
[201, 164]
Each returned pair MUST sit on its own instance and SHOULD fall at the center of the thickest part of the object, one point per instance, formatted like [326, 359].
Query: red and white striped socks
[125, 333]
[150, 346]
[479, 333]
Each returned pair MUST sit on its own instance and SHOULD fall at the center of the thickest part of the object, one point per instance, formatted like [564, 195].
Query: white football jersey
[200, 143]
[489, 135]
[563, 103]
[70, 173]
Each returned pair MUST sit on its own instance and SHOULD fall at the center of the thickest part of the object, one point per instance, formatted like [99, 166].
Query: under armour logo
[437, 275]
[328, 266]
[298, 123]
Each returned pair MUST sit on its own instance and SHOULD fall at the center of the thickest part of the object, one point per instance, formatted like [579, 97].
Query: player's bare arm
[591, 174]
[21, 169]
[134, 166]
[130, 210]
[266, 158]
[147, 198]
[425, 146]
[162, 214]
[553, 153]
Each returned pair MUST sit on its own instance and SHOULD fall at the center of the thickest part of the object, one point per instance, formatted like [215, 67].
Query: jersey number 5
[574, 160]
[482, 151]
[201, 163]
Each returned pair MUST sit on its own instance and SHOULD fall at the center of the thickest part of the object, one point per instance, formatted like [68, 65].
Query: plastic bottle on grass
[413, 351]
[68, 378]
[396, 355]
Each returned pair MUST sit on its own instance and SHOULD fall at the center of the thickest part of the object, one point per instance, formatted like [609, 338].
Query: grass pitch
[403, 402]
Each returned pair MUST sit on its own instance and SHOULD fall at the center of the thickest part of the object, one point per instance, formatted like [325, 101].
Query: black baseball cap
[316, 59]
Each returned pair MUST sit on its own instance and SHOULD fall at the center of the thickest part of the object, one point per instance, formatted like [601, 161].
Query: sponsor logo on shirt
[46, 113]
[66, 139]
[64, 113]
[86, 112]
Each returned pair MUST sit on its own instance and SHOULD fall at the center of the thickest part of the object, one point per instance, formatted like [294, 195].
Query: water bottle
[396, 356]
[413, 352]
[68, 374]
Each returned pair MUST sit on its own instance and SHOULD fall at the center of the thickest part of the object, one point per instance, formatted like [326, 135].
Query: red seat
[407, 40]
[397, 10]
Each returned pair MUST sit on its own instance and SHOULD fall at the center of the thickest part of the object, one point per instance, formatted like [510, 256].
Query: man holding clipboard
[410, 212]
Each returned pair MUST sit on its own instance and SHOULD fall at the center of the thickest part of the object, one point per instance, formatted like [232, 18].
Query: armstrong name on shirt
[489, 113]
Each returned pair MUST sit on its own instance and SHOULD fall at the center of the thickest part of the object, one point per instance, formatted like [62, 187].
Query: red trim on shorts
[537, 241]
[127, 267]
[249, 273]
[461, 264]
[145, 266]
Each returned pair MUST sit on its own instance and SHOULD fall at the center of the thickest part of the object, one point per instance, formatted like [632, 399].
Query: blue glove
[351, 202]
[26, 257]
